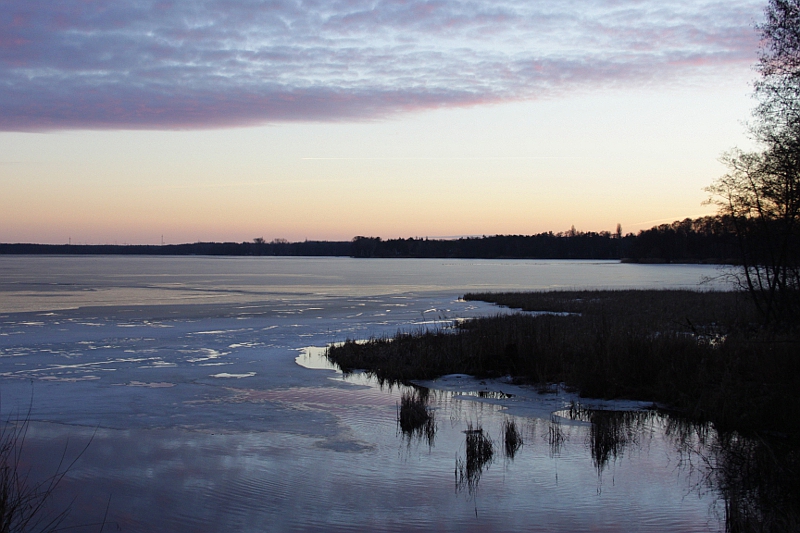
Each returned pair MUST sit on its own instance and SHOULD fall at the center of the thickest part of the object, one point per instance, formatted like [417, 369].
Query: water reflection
[610, 431]
[415, 418]
[759, 481]
[745, 483]
[756, 477]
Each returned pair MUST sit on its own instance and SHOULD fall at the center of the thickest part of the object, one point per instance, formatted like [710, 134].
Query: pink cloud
[215, 63]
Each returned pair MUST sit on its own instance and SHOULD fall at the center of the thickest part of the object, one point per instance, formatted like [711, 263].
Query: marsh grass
[555, 436]
[479, 453]
[414, 418]
[732, 386]
[512, 438]
[697, 352]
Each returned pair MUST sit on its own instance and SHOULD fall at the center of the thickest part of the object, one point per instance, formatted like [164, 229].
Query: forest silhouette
[702, 240]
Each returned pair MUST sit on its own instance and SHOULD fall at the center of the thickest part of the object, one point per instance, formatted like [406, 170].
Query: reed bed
[701, 353]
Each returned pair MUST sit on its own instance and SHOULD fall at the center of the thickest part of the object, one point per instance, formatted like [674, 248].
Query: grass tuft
[414, 417]
[478, 457]
[512, 438]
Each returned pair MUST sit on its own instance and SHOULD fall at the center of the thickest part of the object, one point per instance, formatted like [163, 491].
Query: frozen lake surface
[209, 410]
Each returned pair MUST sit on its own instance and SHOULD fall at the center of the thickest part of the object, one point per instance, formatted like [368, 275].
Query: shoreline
[696, 352]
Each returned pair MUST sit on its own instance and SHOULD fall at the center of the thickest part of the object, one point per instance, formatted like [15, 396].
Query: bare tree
[761, 191]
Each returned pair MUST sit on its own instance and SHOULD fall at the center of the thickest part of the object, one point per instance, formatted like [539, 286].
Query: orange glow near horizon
[591, 161]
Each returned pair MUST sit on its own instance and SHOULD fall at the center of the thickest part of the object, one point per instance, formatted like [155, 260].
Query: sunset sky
[125, 120]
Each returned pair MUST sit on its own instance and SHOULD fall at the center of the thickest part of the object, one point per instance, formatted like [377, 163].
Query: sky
[137, 121]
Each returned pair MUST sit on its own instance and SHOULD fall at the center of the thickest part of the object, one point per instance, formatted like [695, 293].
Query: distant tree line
[707, 239]
[256, 248]
[572, 245]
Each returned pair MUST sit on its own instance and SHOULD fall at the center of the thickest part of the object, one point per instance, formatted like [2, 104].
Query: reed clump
[701, 353]
[414, 417]
[479, 454]
[512, 437]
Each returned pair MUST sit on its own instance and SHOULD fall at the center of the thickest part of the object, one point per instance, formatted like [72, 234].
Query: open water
[196, 390]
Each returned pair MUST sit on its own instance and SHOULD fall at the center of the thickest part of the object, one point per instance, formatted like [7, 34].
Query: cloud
[165, 64]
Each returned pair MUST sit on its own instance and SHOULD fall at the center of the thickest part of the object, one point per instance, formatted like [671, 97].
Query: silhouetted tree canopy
[761, 192]
[709, 239]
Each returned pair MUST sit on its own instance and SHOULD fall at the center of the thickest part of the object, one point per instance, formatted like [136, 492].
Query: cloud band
[153, 64]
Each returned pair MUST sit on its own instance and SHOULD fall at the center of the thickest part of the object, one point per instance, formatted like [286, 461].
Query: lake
[196, 389]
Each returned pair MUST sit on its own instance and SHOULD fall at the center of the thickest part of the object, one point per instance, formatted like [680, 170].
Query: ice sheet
[184, 379]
